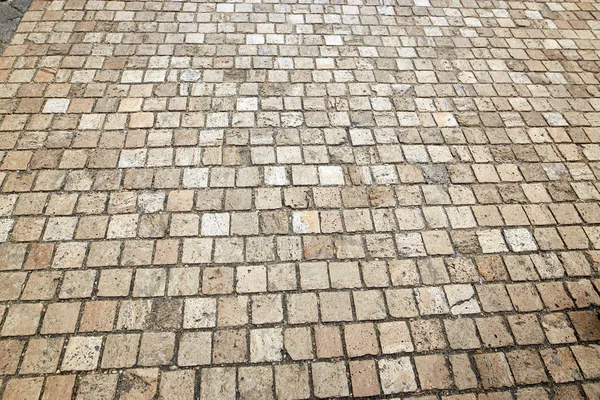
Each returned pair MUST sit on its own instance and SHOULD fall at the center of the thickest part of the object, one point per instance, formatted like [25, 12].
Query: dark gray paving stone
[11, 13]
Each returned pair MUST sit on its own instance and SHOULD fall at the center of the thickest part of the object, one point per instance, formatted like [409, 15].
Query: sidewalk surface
[297, 199]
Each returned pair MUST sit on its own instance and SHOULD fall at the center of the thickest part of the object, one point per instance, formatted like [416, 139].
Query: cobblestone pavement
[10, 15]
[288, 200]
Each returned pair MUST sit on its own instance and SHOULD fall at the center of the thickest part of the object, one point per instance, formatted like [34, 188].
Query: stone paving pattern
[10, 15]
[282, 199]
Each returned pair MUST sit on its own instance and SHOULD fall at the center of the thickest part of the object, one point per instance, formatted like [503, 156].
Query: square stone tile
[433, 372]
[23, 388]
[329, 379]
[199, 313]
[22, 319]
[364, 378]
[256, 382]
[292, 381]
[396, 375]
[60, 318]
[120, 350]
[230, 346]
[494, 370]
[156, 348]
[361, 340]
[194, 349]
[217, 383]
[42, 356]
[82, 353]
[10, 350]
[266, 344]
